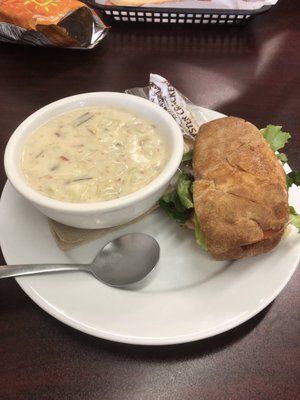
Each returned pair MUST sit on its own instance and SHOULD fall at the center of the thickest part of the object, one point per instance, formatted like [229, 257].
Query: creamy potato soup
[93, 154]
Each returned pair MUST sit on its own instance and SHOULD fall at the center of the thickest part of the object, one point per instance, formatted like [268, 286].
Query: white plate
[189, 296]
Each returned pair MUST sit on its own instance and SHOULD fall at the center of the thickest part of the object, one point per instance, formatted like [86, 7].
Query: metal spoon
[123, 261]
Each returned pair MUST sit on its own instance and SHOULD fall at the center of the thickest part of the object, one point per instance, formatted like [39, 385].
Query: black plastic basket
[112, 15]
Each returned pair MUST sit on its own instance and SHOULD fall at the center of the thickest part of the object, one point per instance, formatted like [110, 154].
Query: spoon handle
[7, 271]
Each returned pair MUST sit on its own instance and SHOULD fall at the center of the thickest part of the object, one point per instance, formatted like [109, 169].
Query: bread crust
[240, 192]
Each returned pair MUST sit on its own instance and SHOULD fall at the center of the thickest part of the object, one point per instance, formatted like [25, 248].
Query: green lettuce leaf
[171, 204]
[184, 189]
[294, 218]
[275, 136]
[187, 156]
[178, 203]
[282, 157]
[277, 139]
[293, 178]
[199, 233]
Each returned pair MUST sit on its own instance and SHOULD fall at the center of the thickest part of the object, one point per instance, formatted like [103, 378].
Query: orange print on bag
[29, 14]
[41, 4]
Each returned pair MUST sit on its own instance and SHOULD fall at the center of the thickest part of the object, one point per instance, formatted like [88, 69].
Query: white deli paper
[250, 5]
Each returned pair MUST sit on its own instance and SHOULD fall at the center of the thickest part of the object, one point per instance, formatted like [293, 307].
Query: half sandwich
[240, 193]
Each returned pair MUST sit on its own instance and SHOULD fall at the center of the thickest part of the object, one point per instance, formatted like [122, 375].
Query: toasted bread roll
[240, 192]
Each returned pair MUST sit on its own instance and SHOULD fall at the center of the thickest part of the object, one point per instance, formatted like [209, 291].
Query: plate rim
[154, 341]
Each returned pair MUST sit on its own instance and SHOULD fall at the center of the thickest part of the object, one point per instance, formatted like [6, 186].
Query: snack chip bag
[59, 23]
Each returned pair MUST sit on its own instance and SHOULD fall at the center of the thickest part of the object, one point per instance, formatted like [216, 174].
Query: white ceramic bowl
[101, 214]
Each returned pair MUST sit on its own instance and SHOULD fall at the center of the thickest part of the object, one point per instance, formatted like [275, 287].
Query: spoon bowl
[123, 261]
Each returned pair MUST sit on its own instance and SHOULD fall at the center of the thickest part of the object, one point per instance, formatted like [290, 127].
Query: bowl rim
[14, 173]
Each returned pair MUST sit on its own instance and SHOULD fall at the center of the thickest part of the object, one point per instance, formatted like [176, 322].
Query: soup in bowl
[94, 160]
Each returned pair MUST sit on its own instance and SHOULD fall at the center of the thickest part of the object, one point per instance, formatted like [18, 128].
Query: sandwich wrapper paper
[188, 116]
